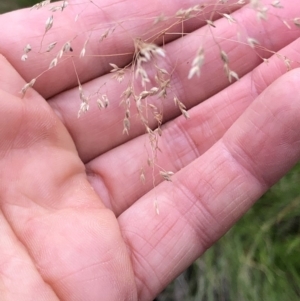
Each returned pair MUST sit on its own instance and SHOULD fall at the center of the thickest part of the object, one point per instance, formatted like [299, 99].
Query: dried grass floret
[119, 73]
[108, 32]
[197, 63]
[262, 13]
[297, 22]
[84, 106]
[252, 42]
[287, 63]
[103, 102]
[230, 19]
[27, 86]
[181, 107]
[188, 13]
[24, 57]
[49, 23]
[224, 57]
[144, 52]
[277, 4]
[159, 19]
[142, 176]
[211, 23]
[67, 47]
[41, 4]
[230, 73]
[51, 46]
[27, 48]
[166, 175]
[53, 63]
[126, 125]
[59, 7]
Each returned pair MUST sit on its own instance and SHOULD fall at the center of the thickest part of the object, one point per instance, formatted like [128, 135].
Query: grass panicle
[259, 258]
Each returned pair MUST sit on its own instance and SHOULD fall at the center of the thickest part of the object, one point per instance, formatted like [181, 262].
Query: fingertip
[266, 138]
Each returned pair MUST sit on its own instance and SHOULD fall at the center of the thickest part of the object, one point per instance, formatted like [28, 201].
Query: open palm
[76, 223]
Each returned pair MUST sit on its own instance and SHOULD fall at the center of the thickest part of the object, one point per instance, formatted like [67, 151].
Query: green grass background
[257, 260]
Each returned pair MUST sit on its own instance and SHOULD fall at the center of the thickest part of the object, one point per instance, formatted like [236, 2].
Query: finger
[132, 19]
[19, 278]
[107, 126]
[215, 190]
[74, 242]
[116, 175]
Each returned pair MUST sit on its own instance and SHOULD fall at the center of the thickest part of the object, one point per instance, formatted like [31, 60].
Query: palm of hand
[70, 237]
[70, 244]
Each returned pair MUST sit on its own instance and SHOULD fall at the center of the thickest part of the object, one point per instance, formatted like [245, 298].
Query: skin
[76, 223]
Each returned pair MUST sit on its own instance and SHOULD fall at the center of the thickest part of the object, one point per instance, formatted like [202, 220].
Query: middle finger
[96, 132]
[116, 174]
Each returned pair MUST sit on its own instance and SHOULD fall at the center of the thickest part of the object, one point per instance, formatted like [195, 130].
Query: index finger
[121, 21]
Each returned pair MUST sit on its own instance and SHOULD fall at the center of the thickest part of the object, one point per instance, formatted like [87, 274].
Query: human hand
[76, 222]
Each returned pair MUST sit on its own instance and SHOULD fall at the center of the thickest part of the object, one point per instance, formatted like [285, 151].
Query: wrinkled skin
[76, 223]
